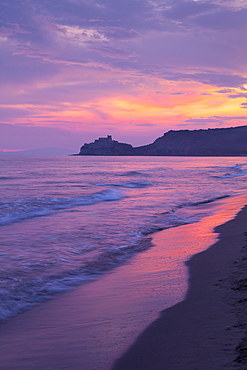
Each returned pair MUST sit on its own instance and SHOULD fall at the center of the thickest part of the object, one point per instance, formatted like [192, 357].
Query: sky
[74, 70]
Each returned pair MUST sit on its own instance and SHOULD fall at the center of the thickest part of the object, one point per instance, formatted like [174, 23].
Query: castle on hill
[106, 146]
[230, 141]
[104, 139]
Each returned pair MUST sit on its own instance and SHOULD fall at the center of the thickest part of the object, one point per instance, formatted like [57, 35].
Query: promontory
[211, 142]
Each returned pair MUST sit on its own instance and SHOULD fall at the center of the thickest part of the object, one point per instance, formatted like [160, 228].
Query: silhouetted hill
[106, 146]
[211, 142]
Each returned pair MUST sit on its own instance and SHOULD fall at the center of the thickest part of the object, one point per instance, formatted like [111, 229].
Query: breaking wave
[21, 209]
[236, 171]
[18, 295]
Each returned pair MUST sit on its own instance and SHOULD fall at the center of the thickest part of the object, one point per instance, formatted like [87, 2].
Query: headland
[211, 142]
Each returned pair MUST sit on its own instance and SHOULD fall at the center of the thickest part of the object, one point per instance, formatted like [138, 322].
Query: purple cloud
[225, 91]
[223, 19]
[57, 52]
[215, 79]
[66, 31]
[236, 96]
[221, 119]
[146, 124]
[181, 10]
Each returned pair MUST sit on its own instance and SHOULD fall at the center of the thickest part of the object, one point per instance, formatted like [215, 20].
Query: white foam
[232, 175]
[18, 210]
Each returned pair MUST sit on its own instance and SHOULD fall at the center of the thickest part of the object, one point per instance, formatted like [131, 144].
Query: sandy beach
[208, 329]
[93, 325]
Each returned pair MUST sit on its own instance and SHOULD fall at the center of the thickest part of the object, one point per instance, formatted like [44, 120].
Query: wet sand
[208, 329]
[93, 325]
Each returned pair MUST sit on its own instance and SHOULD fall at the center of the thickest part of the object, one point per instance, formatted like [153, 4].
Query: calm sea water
[67, 220]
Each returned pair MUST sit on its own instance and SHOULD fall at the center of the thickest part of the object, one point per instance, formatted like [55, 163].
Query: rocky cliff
[211, 142]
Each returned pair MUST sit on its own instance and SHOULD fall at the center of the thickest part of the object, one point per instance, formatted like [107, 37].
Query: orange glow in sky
[131, 71]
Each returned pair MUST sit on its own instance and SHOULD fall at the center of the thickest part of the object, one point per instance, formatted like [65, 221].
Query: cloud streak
[138, 65]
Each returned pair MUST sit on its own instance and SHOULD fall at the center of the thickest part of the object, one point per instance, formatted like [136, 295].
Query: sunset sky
[73, 70]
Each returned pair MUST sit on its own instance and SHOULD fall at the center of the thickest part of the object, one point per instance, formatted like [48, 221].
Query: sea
[68, 220]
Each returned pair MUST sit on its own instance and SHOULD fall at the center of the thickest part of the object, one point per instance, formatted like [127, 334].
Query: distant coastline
[40, 151]
[230, 142]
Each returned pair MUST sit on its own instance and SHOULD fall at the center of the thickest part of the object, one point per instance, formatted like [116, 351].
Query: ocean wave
[131, 173]
[6, 178]
[181, 214]
[12, 178]
[232, 175]
[210, 200]
[18, 295]
[164, 225]
[134, 185]
[194, 204]
[160, 169]
[237, 170]
[21, 209]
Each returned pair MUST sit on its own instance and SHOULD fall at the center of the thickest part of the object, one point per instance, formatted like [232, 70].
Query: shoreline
[74, 331]
[207, 330]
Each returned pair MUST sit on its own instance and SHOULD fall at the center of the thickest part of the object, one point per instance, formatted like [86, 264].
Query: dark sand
[93, 325]
[208, 329]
